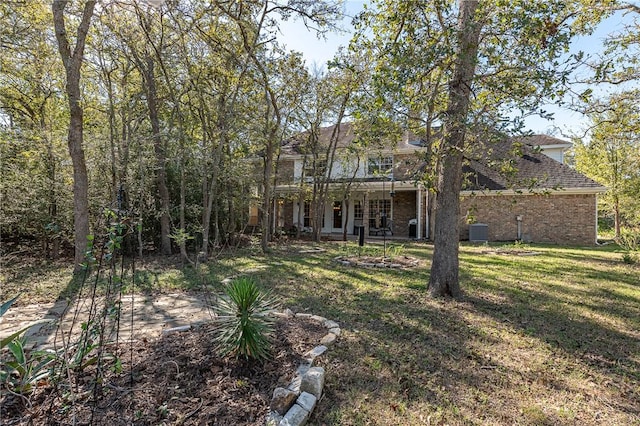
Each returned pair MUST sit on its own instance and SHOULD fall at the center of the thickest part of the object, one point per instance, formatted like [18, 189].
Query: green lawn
[548, 339]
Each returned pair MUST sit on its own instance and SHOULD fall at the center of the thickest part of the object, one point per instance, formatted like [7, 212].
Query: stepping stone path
[150, 317]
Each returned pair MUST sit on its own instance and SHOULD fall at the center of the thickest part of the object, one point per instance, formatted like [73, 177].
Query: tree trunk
[207, 188]
[300, 219]
[318, 216]
[111, 114]
[431, 200]
[183, 202]
[72, 61]
[159, 149]
[616, 216]
[444, 268]
[266, 205]
[54, 251]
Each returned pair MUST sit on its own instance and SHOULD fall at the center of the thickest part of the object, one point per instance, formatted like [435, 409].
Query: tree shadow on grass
[403, 353]
[580, 319]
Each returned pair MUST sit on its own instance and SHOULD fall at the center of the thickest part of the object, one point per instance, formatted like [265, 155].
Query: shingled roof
[296, 144]
[509, 164]
[346, 135]
[516, 164]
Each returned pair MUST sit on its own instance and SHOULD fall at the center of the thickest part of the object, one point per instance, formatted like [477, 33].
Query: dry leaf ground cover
[551, 339]
[176, 379]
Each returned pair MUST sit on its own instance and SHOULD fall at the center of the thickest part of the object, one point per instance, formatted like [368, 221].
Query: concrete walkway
[140, 317]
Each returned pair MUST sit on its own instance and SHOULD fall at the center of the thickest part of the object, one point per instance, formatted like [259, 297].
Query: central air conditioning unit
[479, 233]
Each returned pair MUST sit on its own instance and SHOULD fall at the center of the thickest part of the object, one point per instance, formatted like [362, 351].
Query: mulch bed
[511, 252]
[177, 379]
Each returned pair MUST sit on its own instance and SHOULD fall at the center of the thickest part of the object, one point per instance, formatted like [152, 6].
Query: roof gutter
[536, 191]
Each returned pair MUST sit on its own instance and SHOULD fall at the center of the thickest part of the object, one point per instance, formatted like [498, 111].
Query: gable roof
[543, 141]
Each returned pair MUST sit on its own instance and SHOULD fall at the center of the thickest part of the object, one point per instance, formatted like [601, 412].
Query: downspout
[427, 216]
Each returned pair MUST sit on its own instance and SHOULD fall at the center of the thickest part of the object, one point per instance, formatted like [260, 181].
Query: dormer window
[380, 165]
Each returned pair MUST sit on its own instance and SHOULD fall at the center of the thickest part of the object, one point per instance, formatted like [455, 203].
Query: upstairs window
[318, 170]
[380, 165]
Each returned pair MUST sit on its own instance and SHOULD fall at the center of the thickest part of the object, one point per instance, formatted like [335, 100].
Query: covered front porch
[377, 210]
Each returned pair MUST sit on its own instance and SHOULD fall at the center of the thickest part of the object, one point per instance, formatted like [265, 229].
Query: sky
[565, 123]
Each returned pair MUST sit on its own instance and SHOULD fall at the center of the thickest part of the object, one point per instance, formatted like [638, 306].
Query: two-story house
[543, 200]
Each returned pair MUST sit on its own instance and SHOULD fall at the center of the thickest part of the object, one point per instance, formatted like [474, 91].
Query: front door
[337, 215]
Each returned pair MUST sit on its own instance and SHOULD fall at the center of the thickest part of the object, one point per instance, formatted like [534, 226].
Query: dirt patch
[177, 379]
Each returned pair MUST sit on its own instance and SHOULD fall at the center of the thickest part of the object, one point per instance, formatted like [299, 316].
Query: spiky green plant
[21, 370]
[244, 324]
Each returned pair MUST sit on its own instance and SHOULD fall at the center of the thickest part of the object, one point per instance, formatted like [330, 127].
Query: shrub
[244, 324]
[395, 250]
[24, 369]
[629, 241]
[21, 370]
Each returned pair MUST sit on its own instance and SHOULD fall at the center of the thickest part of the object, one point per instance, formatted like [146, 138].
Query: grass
[549, 339]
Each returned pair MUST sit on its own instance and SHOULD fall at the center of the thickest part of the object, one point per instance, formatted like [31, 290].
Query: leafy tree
[471, 68]
[72, 59]
[30, 135]
[326, 101]
[609, 151]
[611, 156]
[620, 62]
[147, 59]
[217, 82]
[270, 69]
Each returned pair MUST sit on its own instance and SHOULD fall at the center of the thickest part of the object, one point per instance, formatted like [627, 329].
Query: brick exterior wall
[559, 219]
[404, 209]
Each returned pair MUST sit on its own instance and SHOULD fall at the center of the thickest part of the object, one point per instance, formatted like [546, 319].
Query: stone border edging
[292, 406]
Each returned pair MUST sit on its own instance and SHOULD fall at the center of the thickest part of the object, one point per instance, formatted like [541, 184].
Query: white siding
[555, 153]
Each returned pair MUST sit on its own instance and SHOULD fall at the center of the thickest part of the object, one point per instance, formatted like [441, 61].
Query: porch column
[419, 215]
[275, 215]
[365, 213]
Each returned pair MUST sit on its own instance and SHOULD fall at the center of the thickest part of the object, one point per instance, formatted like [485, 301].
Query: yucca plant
[244, 324]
